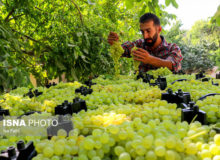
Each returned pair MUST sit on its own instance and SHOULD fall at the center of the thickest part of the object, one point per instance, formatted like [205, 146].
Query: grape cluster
[135, 63]
[21, 91]
[196, 88]
[19, 105]
[211, 105]
[163, 71]
[123, 87]
[173, 77]
[103, 80]
[116, 51]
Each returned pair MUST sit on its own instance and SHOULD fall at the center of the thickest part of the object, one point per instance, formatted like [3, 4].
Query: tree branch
[31, 53]
[7, 3]
[28, 37]
[9, 14]
[24, 59]
[14, 17]
[9, 67]
[38, 8]
[80, 14]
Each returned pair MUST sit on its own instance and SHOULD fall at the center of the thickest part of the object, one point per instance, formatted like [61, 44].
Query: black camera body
[177, 97]
[161, 82]
[84, 90]
[217, 75]
[3, 112]
[200, 75]
[50, 85]
[34, 93]
[22, 152]
[192, 112]
[89, 83]
[67, 125]
[70, 108]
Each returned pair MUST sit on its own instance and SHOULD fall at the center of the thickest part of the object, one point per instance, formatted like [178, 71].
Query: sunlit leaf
[167, 2]
[174, 3]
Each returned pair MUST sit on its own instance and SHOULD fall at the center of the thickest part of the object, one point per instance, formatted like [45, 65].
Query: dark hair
[150, 17]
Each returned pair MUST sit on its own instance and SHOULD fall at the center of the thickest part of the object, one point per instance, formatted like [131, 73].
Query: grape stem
[194, 118]
[197, 135]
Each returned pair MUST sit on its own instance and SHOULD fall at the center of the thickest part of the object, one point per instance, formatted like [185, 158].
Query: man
[153, 51]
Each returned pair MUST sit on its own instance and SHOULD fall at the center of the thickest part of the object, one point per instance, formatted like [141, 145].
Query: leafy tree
[216, 17]
[10, 75]
[56, 37]
[196, 57]
[207, 34]
[203, 30]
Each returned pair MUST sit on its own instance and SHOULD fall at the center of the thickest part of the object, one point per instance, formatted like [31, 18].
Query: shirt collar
[162, 45]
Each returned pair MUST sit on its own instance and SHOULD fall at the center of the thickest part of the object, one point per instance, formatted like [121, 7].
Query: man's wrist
[151, 60]
[158, 62]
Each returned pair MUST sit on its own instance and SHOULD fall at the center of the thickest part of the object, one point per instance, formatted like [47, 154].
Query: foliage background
[50, 37]
[199, 46]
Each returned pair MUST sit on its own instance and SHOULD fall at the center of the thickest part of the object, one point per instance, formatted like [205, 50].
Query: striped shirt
[167, 51]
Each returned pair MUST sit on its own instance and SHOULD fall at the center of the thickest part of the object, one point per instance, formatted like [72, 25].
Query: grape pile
[106, 115]
[116, 51]
[126, 119]
[18, 105]
[138, 97]
[135, 140]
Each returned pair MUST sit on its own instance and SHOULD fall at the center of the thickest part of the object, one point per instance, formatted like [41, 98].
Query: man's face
[150, 32]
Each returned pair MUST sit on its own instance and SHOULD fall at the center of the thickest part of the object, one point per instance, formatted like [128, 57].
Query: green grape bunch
[163, 71]
[135, 63]
[116, 51]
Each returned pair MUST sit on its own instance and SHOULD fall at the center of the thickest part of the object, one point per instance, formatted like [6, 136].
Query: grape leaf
[174, 3]
[216, 17]
[167, 2]
[218, 20]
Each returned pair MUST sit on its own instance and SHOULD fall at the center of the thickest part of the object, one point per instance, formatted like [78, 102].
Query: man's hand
[142, 55]
[112, 37]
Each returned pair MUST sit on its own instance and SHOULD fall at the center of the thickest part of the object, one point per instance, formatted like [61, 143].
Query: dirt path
[212, 73]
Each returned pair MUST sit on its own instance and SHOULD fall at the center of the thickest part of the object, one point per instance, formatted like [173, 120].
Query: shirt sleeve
[175, 57]
[127, 46]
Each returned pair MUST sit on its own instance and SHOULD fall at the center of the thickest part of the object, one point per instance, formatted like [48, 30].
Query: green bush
[196, 57]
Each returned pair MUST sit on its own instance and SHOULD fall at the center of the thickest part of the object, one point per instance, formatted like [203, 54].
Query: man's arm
[173, 61]
[158, 62]
[175, 57]
[143, 56]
